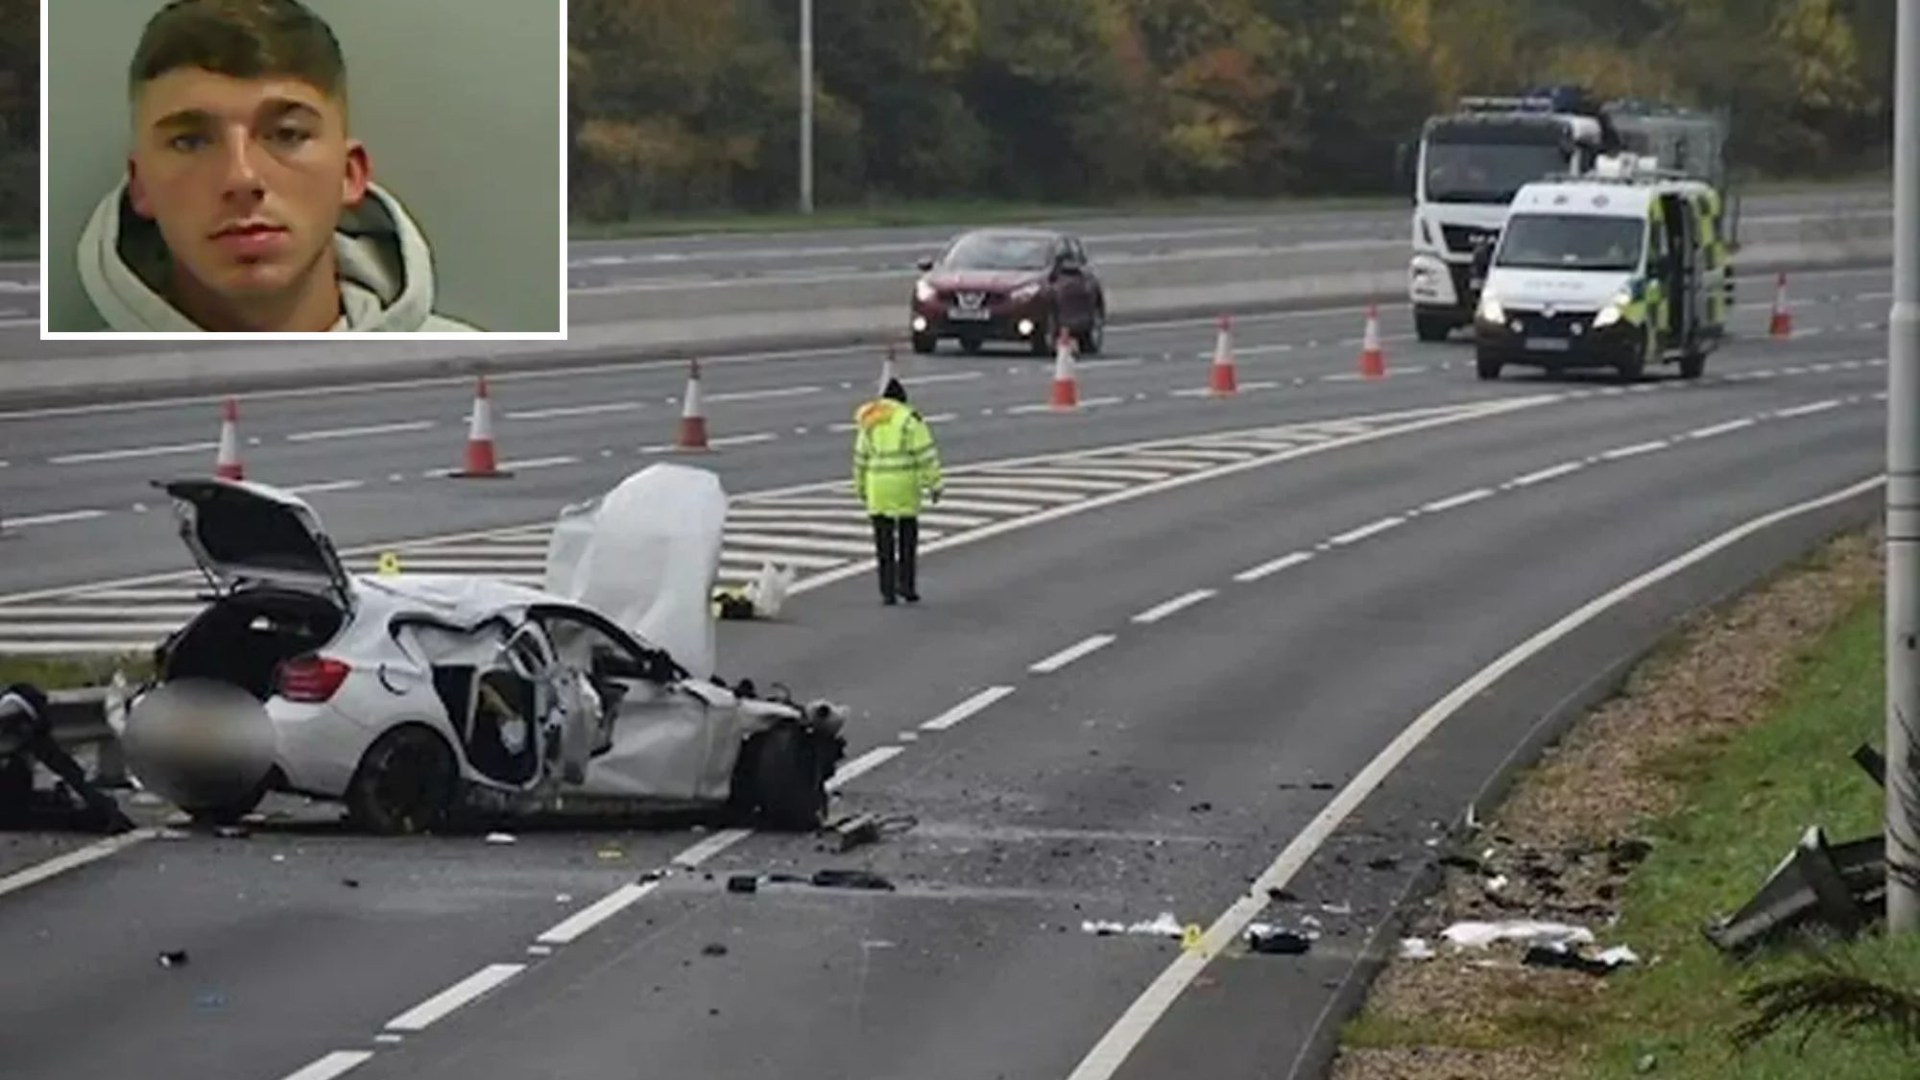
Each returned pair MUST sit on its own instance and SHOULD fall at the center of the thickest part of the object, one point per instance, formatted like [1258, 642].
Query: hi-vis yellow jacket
[894, 458]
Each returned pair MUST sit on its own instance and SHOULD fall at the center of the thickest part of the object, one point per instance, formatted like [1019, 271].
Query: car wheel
[1094, 337]
[1632, 368]
[1431, 327]
[405, 783]
[788, 782]
[925, 343]
[1486, 367]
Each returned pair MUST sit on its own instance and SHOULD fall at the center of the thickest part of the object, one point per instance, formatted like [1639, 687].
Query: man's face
[246, 178]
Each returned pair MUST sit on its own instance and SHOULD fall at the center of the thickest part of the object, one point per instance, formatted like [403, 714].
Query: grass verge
[1720, 751]
[69, 672]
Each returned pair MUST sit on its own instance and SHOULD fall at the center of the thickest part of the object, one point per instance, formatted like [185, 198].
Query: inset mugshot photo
[296, 167]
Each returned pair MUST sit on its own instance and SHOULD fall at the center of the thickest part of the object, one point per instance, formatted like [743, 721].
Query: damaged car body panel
[411, 695]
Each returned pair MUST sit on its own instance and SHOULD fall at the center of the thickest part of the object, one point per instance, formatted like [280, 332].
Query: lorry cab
[1624, 269]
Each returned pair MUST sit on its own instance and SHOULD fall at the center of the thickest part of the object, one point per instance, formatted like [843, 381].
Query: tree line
[693, 105]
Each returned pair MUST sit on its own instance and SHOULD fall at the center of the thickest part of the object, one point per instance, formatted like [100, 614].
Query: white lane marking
[443, 1004]
[1546, 474]
[531, 464]
[575, 410]
[1179, 603]
[338, 1063]
[569, 929]
[72, 860]
[743, 440]
[1069, 655]
[971, 707]
[55, 519]
[1720, 429]
[711, 846]
[762, 395]
[1463, 499]
[1808, 410]
[1127, 1033]
[1364, 531]
[133, 452]
[391, 1039]
[1635, 450]
[1411, 420]
[324, 486]
[1274, 566]
[862, 765]
[358, 432]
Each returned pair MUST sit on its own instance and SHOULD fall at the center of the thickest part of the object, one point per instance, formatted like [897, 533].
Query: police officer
[894, 461]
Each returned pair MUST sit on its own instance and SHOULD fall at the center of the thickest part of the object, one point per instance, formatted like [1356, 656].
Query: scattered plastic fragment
[1414, 948]
[173, 958]
[743, 883]
[1479, 935]
[501, 838]
[715, 949]
[1274, 941]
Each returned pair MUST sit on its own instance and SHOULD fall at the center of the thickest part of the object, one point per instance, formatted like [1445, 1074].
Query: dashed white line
[575, 410]
[1807, 410]
[1720, 429]
[1273, 566]
[443, 1004]
[1179, 603]
[1068, 655]
[1463, 499]
[72, 860]
[1635, 450]
[573, 926]
[338, 1063]
[132, 452]
[862, 765]
[1364, 531]
[971, 707]
[538, 463]
[56, 519]
[358, 432]
[711, 846]
[325, 486]
[1544, 475]
[743, 440]
[759, 395]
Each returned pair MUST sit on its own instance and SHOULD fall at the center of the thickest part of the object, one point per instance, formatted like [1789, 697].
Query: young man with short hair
[247, 206]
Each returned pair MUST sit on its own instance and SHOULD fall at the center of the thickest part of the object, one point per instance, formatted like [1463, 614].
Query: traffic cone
[227, 465]
[1221, 381]
[481, 462]
[1066, 391]
[1781, 325]
[887, 372]
[1373, 361]
[693, 422]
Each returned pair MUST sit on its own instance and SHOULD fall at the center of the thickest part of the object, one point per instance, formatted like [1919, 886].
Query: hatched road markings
[814, 529]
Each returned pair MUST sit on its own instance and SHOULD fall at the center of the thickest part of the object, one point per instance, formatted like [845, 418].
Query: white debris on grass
[1479, 935]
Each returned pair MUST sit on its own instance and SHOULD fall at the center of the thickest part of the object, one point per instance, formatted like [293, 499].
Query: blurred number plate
[1548, 344]
[961, 314]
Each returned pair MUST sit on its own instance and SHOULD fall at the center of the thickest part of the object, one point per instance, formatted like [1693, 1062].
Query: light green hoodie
[386, 270]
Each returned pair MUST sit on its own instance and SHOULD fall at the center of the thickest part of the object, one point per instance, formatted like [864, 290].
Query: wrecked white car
[413, 696]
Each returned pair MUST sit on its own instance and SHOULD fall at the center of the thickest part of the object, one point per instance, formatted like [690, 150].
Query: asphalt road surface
[1166, 701]
[611, 279]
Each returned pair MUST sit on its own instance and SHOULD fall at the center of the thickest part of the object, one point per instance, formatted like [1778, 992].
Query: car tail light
[311, 679]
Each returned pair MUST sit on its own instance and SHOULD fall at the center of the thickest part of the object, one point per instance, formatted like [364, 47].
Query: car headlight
[1490, 309]
[924, 291]
[1612, 313]
[1025, 292]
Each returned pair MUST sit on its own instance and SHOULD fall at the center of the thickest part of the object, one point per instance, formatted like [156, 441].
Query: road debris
[851, 879]
[1271, 940]
[1415, 948]
[743, 883]
[173, 958]
[714, 949]
[501, 838]
[1479, 935]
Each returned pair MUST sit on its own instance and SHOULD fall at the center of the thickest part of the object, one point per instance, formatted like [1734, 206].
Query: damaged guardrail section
[42, 730]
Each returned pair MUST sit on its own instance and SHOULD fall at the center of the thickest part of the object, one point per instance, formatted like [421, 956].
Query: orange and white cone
[1066, 390]
[1220, 380]
[693, 418]
[1373, 360]
[481, 460]
[887, 370]
[226, 464]
[1781, 326]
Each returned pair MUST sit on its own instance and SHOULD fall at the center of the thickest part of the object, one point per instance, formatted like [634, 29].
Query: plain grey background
[458, 101]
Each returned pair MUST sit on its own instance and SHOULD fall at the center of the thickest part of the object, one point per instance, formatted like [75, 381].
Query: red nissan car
[1009, 285]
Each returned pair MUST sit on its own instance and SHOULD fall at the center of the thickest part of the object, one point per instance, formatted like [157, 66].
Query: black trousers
[896, 543]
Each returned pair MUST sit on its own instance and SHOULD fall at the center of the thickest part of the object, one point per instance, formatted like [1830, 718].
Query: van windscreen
[1571, 242]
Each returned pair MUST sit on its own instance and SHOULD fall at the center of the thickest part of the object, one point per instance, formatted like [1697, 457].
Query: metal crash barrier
[44, 729]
